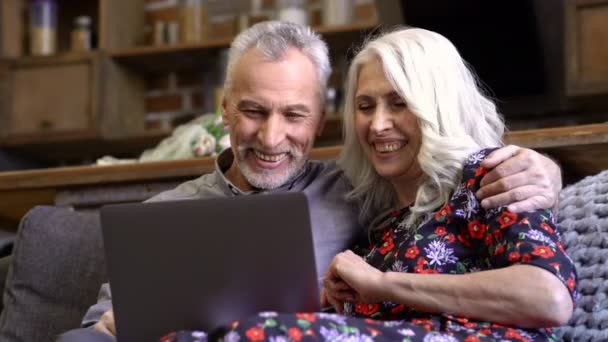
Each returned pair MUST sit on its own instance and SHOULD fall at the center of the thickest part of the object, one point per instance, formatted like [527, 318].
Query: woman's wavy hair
[455, 117]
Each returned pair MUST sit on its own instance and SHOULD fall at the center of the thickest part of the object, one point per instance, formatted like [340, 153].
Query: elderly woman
[439, 266]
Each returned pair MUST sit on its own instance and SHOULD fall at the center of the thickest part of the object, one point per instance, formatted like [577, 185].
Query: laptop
[199, 264]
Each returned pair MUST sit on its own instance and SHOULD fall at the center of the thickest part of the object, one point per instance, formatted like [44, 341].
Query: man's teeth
[389, 147]
[270, 157]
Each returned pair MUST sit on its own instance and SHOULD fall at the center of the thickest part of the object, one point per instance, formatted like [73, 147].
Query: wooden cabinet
[52, 98]
[586, 47]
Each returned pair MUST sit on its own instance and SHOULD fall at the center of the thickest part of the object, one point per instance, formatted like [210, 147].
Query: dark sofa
[58, 267]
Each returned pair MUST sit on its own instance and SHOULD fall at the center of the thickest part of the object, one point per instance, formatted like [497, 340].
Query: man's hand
[350, 278]
[106, 323]
[520, 178]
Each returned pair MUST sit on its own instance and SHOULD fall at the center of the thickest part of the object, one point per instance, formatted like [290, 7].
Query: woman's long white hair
[454, 116]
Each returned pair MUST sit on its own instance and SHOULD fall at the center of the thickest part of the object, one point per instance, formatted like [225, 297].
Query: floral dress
[461, 237]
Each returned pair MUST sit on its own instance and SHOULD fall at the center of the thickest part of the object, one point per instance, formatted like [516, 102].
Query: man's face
[273, 112]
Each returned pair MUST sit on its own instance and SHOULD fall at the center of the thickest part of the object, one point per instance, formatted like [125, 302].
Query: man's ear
[225, 112]
[321, 125]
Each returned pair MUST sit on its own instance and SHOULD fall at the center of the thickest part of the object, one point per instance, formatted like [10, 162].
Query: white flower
[268, 314]
[406, 332]
[224, 142]
[204, 145]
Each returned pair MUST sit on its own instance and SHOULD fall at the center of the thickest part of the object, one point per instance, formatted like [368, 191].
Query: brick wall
[176, 97]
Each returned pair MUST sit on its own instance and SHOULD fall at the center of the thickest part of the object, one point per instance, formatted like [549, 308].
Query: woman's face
[386, 129]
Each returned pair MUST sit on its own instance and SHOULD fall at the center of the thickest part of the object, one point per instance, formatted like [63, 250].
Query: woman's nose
[381, 120]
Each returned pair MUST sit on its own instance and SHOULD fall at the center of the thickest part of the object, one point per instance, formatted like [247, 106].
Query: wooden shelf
[154, 59]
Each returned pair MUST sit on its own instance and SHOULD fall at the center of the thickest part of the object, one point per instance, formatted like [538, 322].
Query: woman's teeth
[388, 147]
[273, 158]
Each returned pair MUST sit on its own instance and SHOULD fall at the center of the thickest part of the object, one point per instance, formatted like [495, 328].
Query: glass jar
[294, 11]
[43, 27]
[81, 34]
[194, 21]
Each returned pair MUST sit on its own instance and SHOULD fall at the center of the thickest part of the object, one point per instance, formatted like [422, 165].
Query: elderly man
[274, 99]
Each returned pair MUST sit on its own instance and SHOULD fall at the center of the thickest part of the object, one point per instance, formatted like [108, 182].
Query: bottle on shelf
[81, 34]
[337, 12]
[194, 21]
[294, 11]
[43, 27]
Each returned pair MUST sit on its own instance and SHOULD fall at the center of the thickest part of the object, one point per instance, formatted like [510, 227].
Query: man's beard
[268, 179]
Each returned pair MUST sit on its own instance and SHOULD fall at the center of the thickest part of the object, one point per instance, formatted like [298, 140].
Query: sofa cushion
[56, 272]
[583, 222]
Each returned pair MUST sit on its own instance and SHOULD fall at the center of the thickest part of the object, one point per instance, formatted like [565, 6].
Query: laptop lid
[198, 264]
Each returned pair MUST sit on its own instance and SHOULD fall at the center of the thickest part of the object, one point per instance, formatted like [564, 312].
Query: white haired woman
[439, 265]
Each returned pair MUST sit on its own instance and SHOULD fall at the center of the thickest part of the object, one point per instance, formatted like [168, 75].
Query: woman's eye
[364, 107]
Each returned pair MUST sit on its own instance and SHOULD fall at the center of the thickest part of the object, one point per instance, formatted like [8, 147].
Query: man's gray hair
[455, 117]
[273, 39]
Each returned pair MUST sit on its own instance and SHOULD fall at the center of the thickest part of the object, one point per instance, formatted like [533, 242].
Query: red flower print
[388, 234]
[571, 284]
[255, 334]
[472, 338]
[480, 171]
[477, 230]
[546, 227]
[498, 235]
[412, 252]
[373, 331]
[470, 182]
[526, 258]
[450, 238]
[419, 321]
[462, 320]
[507, 218]
[555, 265]
[488, 240]
[418, 269]
[512, 333]
[485, 331]
[295, 334]
[499, 250]
[306, 316]
[168, 338]
[543, 252]
[524, 221]
[397, 309]
[444, 211]
[514, 257]
[464, 240]
[440, 231]
[387, 246]
[421, 261]
[366, 309]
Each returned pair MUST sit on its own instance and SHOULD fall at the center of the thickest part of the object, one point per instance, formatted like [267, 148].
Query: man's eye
[292, 115]
[399, 104]
[252, 112]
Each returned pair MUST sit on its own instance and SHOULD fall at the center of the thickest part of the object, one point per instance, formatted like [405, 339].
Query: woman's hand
[350, 278]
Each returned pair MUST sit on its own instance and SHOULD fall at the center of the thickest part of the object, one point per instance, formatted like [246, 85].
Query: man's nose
[272, 132]
[381, 120]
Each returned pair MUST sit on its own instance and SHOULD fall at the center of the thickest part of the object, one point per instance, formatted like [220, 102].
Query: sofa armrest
[57, 268]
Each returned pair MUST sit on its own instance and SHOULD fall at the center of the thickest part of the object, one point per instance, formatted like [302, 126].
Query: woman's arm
[520, 295]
